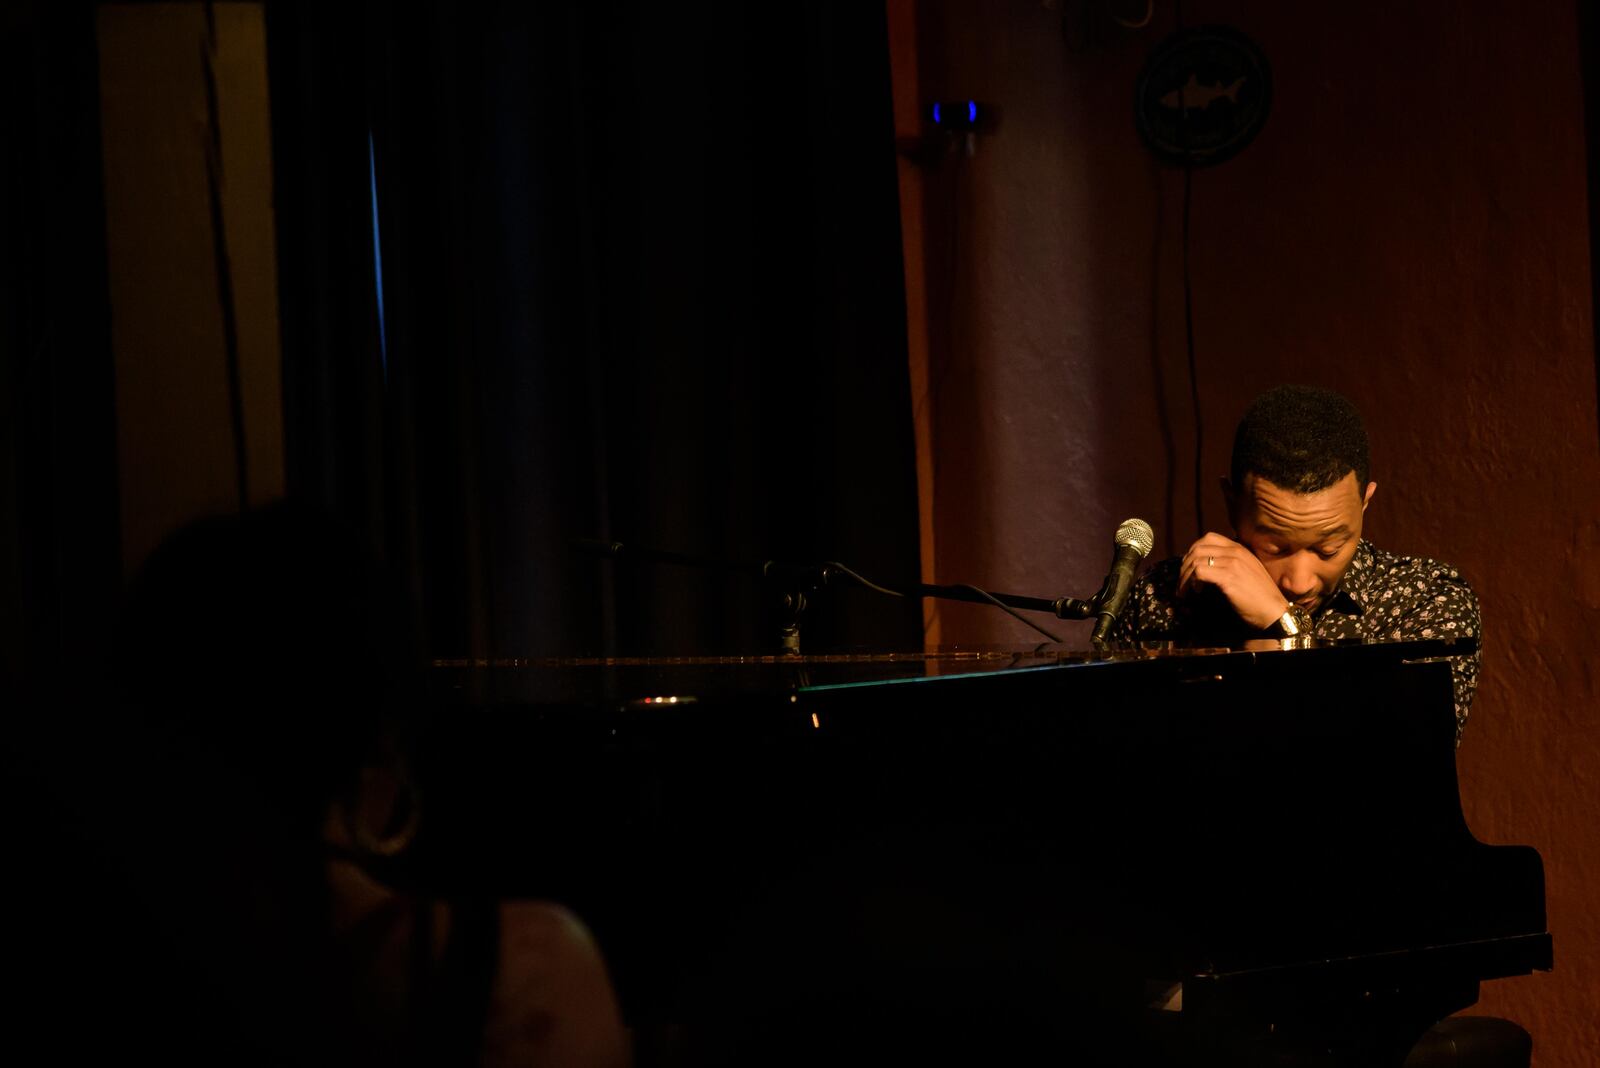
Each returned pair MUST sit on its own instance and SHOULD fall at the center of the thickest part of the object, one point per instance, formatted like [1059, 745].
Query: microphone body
[1134, 540]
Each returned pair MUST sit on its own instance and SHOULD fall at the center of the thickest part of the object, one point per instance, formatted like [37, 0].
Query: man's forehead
[1331, 510]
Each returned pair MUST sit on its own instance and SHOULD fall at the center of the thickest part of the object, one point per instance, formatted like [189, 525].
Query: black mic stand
[788, 583]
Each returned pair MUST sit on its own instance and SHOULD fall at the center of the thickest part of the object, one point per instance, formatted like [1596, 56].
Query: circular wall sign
[1202, 96]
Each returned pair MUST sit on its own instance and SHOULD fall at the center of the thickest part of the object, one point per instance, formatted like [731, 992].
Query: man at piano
[1297, 490]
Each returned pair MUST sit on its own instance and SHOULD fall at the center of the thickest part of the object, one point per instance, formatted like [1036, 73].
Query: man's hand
[1222, 563]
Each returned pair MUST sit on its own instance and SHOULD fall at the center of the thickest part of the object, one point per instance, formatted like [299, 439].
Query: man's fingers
[1191, 573]
[1209, 562]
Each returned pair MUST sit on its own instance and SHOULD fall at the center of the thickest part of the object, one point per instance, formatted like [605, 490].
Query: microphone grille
[1137, 535]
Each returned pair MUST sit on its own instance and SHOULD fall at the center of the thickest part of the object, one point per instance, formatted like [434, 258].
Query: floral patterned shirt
[1381, 596]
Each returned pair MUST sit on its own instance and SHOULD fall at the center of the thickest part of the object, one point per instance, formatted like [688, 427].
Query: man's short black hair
[1300, 438]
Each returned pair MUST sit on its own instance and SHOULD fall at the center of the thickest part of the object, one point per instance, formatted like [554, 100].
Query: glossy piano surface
[1261, 821]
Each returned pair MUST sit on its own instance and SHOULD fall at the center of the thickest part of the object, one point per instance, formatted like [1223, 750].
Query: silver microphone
[1134, 540]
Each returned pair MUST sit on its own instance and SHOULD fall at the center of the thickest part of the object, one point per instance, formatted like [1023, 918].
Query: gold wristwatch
[1288, 624]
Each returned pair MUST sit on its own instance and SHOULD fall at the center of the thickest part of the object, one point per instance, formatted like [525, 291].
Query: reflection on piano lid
[629, 678]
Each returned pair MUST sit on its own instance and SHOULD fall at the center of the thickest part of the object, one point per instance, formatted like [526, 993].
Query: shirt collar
[1357, 581]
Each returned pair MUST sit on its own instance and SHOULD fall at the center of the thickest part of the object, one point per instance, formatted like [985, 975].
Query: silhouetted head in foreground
[263, 668]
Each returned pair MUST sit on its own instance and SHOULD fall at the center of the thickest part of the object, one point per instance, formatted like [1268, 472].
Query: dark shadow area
[207, 858]
[168, 857]
[59, 565]
[643, 282]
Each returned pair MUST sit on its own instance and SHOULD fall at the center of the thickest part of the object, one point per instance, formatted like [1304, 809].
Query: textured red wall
[1410, 229]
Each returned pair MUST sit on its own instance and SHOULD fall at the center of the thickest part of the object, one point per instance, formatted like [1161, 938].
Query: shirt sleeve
[1464, 668]
[1148, 613]
[1446, 607]
[1450, 610]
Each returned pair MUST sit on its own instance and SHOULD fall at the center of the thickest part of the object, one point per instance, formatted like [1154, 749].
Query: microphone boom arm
[1060, 607]
[795, 580]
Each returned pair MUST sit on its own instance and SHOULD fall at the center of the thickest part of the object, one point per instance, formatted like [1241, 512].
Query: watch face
[1203, 95]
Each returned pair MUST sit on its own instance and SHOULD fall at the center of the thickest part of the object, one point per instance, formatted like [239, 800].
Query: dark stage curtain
[641, 281]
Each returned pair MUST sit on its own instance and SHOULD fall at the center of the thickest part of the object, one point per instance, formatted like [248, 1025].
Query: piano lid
[690, 679]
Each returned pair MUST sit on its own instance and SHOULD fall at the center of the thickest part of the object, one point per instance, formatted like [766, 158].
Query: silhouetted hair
[1300, 438]
[271, 641]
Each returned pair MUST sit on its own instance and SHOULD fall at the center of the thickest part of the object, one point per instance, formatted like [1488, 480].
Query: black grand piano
[983, 854]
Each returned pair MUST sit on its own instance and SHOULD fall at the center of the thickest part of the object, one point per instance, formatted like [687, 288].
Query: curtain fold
[641, 280]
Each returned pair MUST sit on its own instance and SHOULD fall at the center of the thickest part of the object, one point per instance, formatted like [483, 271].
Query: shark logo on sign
[1197, 97]
[1176, 99]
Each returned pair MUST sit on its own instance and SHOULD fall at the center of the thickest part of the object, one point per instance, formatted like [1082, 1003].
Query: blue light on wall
[960, 115]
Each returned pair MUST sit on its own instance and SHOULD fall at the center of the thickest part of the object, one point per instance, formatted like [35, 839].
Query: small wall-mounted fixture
[951, 125]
